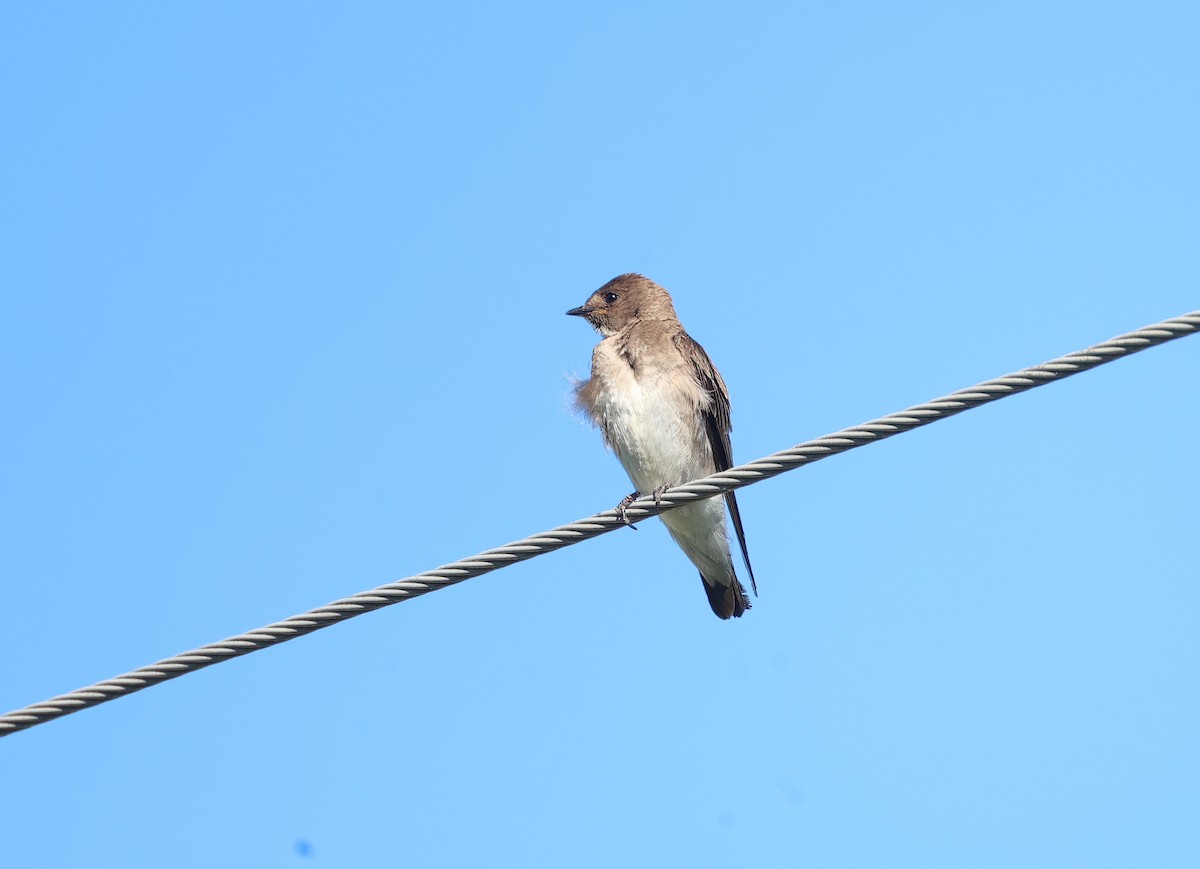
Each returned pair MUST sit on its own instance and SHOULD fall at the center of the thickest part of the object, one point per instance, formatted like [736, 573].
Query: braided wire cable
[601, 523]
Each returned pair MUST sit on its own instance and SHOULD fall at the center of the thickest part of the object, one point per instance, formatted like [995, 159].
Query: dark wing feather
[718, 424]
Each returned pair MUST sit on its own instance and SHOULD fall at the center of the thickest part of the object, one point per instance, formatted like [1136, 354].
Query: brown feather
[718, 423]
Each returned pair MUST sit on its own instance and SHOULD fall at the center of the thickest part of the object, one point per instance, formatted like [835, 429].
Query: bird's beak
[581, 311]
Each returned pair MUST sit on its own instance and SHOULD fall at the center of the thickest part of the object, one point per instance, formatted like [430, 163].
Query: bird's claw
[624, 506]
[633, 496]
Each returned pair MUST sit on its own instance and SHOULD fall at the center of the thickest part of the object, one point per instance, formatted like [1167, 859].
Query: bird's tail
[726, 600]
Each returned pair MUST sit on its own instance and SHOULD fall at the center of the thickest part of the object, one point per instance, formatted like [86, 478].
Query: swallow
[663, 409]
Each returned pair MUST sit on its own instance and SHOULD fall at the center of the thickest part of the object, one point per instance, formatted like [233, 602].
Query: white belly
[653, 425]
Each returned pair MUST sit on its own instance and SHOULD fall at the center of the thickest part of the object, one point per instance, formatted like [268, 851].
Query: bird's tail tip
[727, 601]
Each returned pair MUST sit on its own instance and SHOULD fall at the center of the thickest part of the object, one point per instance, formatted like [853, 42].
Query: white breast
[651, 421]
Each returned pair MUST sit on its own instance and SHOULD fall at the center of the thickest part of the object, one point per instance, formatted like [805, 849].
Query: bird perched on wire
[664, 410]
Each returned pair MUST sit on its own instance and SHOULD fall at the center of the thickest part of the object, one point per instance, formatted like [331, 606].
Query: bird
[663, 409]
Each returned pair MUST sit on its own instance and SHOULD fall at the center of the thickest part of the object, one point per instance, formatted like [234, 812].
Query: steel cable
[601, 523]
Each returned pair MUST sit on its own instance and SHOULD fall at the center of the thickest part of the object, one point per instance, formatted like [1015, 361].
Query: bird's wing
[718, 424]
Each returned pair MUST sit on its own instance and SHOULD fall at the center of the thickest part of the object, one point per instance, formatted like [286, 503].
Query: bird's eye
[609, 298]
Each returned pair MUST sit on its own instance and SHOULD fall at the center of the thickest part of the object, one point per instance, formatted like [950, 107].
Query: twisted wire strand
[601, 523]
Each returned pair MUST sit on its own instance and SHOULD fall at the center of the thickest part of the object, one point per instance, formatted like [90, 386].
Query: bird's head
[624, 300]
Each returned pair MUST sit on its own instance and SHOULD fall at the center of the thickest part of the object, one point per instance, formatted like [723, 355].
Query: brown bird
[664, 410]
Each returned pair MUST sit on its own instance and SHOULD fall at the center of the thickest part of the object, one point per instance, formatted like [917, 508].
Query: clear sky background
[281, 319]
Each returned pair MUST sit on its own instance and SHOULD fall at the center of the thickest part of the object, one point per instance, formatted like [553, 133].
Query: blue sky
[281, 319]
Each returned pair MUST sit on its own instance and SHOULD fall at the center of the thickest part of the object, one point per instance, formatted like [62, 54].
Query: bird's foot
[624, 505]
[658, 493]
